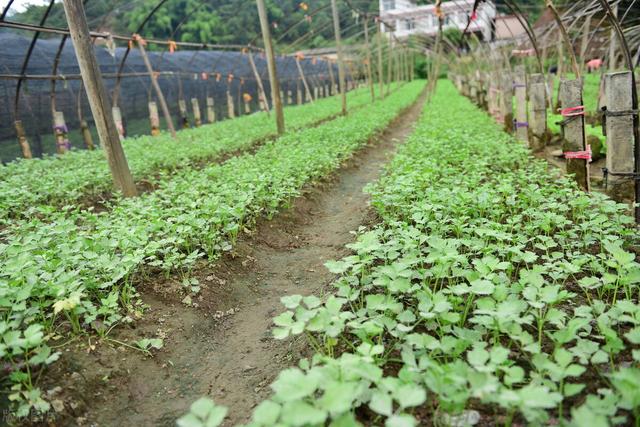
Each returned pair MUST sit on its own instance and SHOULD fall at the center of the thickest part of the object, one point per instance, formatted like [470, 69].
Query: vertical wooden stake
[507, 101]
[289, 97]
[61, 133]
[620, 136]
[86, 135]
[585, 40]
[230, 108]
[380, 71]
[368, 52]
[271, 66]
[307, 91]
[117, 119]
[261, 93]
[197, 115]
[22, 140]
[298, 94]
[154, 119]
[98, 98]
[612, 43]
[390, 63]
[573, 131]
[520, 85]
[184, 117]
[156, 86]
[211, 112]
[341, 71]
[537, 112]
[332, 77]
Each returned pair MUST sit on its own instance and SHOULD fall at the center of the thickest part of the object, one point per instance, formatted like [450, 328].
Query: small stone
[464, 419]
[58, 405]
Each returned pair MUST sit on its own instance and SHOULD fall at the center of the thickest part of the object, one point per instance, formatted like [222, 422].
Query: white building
[408, 18]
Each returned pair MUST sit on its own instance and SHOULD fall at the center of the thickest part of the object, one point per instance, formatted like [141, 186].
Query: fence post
[271, 67]
[570, 96]
[197, 116]
[211, 112]
[507, 102]
[230, 109]
[341, 71]
[184, 117]
[261, 93]
[307, 91]
[154, 119]
[97, 96]
[520, 88]
[61, 133]
[22, 140]
[619, 134]
[117, 119]
[155, 84]
[86, 135]
[537, 112]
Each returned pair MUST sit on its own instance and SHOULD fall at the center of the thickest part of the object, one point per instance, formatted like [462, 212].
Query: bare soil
[220, 346]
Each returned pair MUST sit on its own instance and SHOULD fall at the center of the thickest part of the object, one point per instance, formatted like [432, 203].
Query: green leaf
[381, 403]
[266, 413]
[293, 384]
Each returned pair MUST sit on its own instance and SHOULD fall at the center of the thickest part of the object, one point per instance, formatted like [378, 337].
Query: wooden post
[390, 63]
[211, 112]
[315, 92]
[585, 40]
[368, 52]
[307, 91]
[612, 43]
[230, 108]
[620, 136]
[537, 112]
[298, 94]
[271, 66]
[197, 115]
[341, 76]
[573, 131]
[97, 96]
[520, 88]
[261, 93]
[156, 85]
[289, 97]
[86, 135]
[184, 117]
[22, 140]
[154, 119]
[61, 133]
[332, 77]
[380, 70]
[117, 119]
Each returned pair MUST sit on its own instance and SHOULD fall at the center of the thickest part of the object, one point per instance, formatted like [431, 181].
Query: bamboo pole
[307, 92]
[97, 95]
[380, 70]
[341, 76]
[22, 140]
[156, 86]
[369, 72]
[271, 66]
[261, 92]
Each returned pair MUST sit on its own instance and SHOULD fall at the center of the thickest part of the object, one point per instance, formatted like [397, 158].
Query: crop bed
[491, 293]
[76, 272]
[34, 187]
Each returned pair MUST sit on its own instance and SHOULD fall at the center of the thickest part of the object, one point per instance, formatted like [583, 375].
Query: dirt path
[223, 349]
